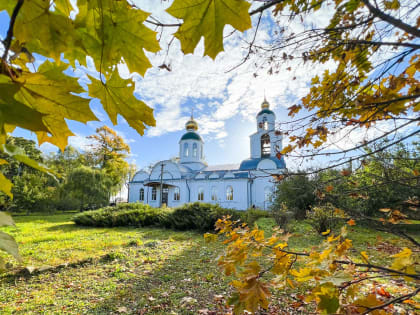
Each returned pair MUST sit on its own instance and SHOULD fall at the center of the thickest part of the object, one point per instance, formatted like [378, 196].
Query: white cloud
[218, 94]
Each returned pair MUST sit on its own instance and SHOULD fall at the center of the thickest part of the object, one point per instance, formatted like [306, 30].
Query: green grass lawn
[134, 270]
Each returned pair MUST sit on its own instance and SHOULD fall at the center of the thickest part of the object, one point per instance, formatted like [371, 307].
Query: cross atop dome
[191, 125]
[265, 104]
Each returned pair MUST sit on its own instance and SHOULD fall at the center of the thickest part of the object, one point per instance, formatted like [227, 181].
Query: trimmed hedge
[135, 214]
[191, 216]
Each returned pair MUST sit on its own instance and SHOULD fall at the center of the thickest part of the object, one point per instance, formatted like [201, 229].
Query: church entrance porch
[165, 193]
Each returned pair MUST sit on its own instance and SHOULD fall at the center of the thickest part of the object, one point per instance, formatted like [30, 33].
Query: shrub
[191, 216]
[251, 215]
[282, 215]
[199, 216]
[135, 214]
[324, 218]
[297, 193]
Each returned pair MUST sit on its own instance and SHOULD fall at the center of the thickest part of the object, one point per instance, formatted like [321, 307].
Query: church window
[154, 193]
[141, 197]
[186, 149]
[176, 193]
[200, 194]
[195, 150]
[265, 145]
[213, 193]
[229, 193]
[267, 194]
[265, 123]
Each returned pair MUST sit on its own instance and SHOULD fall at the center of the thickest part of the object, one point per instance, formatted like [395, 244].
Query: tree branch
[391, 20]
[396, 300]
[8, 41]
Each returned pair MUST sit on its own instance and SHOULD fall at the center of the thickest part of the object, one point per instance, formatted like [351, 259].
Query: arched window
[200, 194]
[186, 153]
[265, 123]
[194, 150]
[229, 193]
[214, 193]
[267, 193]
[176, 193]
[141, 196]
[265, 145]
[154, 193]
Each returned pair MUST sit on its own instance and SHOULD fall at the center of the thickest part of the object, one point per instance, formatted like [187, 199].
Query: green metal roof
[191, 136]
[266, 111]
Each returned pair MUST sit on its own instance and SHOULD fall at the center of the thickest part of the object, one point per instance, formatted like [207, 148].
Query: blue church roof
[251, 164]
[191, 135]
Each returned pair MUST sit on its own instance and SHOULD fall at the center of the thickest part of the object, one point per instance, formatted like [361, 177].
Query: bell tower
[266, 142]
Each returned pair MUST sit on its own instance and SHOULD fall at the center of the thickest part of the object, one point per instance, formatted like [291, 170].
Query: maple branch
[370, 266]
[396, 300]
[391, 20]
[373, 43]
[8, 41]
[265, 6]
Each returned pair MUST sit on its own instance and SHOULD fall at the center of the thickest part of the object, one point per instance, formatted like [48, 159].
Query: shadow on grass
[184, 284]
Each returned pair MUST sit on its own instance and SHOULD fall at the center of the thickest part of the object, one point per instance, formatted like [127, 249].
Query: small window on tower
[195, 150]
[186, 149]
[265, 146]
[265, 123]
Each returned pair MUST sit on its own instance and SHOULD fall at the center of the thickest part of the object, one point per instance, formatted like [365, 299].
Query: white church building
[189, 178]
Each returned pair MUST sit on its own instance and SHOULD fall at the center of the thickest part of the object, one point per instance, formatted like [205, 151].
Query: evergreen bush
[190, 216]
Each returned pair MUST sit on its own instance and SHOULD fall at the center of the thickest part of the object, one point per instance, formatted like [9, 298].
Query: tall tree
[108, 152]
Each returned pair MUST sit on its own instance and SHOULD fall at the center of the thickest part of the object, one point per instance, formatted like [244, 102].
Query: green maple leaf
[19, 154]
[208, 18]
[15, 113]
[111, 30]
[48, 91]
[44, 31]
[6, 185]
[9, 245]
[117, 97]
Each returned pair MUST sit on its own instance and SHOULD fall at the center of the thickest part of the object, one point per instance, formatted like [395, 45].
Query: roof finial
[265, 103]
[192, 113]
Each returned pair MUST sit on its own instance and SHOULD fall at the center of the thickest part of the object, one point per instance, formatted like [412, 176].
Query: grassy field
[132, 270]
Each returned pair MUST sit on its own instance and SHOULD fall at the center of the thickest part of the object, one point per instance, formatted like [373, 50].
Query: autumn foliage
[336, 283]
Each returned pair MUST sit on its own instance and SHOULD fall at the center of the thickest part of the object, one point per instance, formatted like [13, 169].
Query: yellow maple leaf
[207, 18]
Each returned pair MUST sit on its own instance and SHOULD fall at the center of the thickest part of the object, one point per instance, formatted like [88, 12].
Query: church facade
[189, 178]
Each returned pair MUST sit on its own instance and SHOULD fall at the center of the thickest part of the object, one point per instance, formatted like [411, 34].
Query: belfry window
[195, 150]
[154, 193]
[265, 145]
[176, 193]
[141, 197]
[200, 194]
[265, 123]
[186, 153]
[229, 193]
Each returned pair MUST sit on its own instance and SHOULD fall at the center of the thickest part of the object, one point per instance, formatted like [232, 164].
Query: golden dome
[191, 124]
[265, 104]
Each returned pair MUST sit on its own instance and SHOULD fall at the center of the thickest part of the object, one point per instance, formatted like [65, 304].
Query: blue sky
[225, 102]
